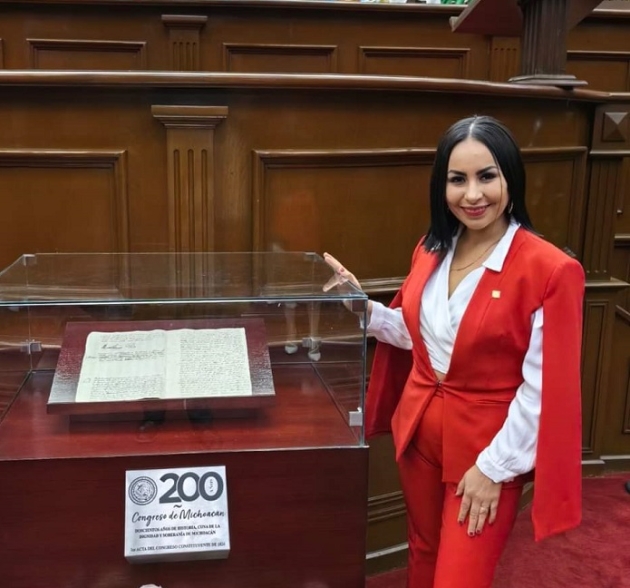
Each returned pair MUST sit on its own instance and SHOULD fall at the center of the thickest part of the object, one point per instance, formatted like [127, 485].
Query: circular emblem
[142, 490]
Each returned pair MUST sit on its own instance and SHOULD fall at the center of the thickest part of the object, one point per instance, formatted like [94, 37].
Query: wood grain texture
[296, 517]
[89, 185]
[439, 62]
[264, 81]
[304, 417]
[191, 176]
[193, 37]
[87, 54]
[185, 38]
[280, 58]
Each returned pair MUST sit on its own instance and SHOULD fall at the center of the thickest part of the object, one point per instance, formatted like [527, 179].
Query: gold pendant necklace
[459, 269]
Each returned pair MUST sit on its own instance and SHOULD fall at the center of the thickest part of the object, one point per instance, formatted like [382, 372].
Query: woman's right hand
[341, 276]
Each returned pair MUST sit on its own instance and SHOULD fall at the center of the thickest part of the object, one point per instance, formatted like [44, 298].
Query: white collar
[496, 259]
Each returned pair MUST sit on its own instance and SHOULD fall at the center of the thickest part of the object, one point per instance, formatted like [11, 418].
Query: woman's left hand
[480, 500]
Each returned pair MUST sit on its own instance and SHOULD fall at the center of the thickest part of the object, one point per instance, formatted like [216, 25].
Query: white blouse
[513, 449]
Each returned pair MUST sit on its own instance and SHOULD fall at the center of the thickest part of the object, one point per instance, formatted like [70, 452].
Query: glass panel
[316, 344]
[166, 276]
[18, 352]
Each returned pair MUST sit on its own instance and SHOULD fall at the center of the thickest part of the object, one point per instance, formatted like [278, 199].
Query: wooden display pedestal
[296, 478]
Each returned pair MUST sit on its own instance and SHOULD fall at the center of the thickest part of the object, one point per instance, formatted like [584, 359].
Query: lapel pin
[496, 293]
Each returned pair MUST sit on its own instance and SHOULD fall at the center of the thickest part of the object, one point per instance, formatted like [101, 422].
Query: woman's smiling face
[476, 191]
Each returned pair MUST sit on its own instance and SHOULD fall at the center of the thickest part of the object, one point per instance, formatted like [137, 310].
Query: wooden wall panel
[599, 51]
[604, 186]
[437, 62]
[387, 514]
[411, 40]
[621, 251]
[616, 437]
[624, 378]
[555, 193]
[251, 58]
[87, 54]
[103, 121]
[324, 193]
[62, 201]
[595, 325]
[604, 70]
[606, 264]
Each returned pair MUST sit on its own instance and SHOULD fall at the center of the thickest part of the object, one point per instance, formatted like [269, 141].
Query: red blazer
[486, 370]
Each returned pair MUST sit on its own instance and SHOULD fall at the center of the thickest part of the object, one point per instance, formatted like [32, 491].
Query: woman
[477, 369]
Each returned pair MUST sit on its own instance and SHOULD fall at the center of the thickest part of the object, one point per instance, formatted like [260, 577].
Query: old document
[207, 362]
[184, 363]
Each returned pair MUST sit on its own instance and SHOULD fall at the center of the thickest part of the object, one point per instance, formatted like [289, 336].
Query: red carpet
[596, 555]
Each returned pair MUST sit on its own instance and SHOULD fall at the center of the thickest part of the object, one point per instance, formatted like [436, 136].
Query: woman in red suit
[477, 369]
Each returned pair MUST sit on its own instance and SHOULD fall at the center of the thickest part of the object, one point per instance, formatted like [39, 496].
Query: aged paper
[183, 363]
[207, 362]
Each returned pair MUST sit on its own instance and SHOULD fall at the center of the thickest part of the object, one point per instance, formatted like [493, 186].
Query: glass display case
[282, 347]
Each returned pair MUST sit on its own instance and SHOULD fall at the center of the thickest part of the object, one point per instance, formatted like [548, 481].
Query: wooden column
[542, 26]
[191, 187]
[544, 46]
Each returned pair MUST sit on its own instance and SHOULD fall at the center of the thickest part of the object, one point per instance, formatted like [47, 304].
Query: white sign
[176, 514]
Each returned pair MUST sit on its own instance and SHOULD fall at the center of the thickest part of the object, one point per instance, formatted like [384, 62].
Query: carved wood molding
[602, 197]
[610, 148]
[327, 52]
[596, 333]
[135, 48]
[282, 82]
[505, 56]
[624, 187]
[184, 34]
[386, 506]
[623, 314]
[626, 420]
[591, 55]
[62, 159]
[190, 173]
[461, 54]
[611, 129]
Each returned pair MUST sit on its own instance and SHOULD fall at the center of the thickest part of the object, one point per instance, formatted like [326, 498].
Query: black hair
[506, 153]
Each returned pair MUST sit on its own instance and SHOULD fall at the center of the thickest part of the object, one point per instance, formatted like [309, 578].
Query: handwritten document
[184, 363]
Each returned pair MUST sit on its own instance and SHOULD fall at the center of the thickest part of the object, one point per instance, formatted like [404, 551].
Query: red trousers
[441, 554]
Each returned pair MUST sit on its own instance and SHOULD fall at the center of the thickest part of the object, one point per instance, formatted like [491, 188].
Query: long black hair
[506, 153]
